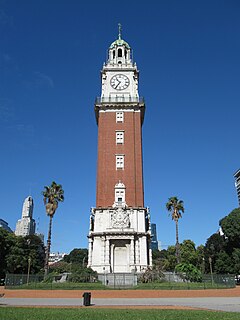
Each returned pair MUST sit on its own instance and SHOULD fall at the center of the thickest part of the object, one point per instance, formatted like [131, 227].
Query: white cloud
[6, 57]
[6, 110]
[43, 80]
[5, 18]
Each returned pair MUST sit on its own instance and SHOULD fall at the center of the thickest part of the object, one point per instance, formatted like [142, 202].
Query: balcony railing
[116, 99]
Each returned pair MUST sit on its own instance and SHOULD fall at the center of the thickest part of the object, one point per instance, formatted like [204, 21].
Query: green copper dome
[119, 42]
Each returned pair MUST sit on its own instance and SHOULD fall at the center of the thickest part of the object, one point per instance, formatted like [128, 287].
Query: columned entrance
[120, 259]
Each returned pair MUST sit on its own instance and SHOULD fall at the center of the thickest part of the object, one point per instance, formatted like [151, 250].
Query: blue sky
[51, 54]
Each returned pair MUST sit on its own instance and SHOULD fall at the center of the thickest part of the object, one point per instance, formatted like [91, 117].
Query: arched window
[119, 53]
[114, 54]
[125, 53]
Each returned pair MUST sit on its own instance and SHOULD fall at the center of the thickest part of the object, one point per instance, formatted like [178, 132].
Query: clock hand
[118, 84]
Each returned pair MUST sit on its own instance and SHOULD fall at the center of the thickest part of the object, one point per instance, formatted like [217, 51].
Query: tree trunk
[177, 243]
[46, 266]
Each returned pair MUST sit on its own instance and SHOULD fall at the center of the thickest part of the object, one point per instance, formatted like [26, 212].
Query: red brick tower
[120, 152]
[119, 230]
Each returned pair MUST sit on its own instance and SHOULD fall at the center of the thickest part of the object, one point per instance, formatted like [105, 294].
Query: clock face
[119, 82]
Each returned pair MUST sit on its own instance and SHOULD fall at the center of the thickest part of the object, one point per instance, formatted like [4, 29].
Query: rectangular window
[119, 137]
[119, 196]
[119, 116]
[119, 161]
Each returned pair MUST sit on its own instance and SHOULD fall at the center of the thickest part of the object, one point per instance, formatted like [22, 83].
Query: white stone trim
[119, 136]
[119, 161]
[120, 110]
[119, 116]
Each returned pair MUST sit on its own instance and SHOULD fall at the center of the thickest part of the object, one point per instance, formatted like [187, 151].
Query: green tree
[7, 240]
[77, 256]
[17, 260]
[189, 272]
[82, 274]
[200, 258]
[35, 252]
[60, 267]
[52, 195]
[231, 228]
[214, 245]
[159, 259]
[15, 252]
[236, 260]
[156, 254]
[170, 261]
[176, 208]
[23, 249]
[188, 252]
[223, 263]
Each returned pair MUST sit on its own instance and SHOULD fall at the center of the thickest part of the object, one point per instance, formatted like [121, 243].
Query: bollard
[86, 299]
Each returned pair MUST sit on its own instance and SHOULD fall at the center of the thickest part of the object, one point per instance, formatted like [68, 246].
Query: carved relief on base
[120, 218]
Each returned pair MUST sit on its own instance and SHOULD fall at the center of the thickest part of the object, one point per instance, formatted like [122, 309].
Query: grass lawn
[10, 313]
[60, 286]
[180, 286]
[100, 286]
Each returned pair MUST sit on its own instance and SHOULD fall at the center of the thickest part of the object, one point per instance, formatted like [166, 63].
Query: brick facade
[132, 174]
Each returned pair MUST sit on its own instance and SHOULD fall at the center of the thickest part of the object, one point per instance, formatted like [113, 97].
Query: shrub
[189, 272]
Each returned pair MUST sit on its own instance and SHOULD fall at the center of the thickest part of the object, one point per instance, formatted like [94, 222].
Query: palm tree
[51, 196]
[176, 208]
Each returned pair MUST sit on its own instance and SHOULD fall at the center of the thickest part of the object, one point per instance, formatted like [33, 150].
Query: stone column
[90, 242]
[137, 251]
[112, 258]
[132, 253]
[107, 256]
[144, 252]
[103, 253]
[150, 257]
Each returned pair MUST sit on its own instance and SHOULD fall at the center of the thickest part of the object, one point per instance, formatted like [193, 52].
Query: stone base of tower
[119, 240]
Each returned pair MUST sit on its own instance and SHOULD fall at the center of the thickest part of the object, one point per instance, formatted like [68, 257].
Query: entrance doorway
[120, 261]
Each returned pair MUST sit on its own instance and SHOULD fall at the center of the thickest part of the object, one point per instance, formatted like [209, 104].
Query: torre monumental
[119, 235]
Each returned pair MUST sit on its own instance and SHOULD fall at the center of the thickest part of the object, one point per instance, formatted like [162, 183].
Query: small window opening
[114, 54]
[119, 53]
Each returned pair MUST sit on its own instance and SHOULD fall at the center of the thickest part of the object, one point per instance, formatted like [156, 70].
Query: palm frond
[51, 196]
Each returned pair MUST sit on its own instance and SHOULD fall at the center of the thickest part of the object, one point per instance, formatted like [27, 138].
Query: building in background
[26, 225]
[120, 235]
[154, 241]
[4, 225]
[55, 257]
[41, 236]
[237, 184]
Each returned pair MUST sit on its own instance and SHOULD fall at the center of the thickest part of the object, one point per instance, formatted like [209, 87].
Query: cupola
[119, 52]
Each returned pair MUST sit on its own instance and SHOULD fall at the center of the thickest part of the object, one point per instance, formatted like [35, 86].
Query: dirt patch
[235, 292]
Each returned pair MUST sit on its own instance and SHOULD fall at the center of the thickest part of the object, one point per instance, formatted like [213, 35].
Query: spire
[119, 41]
[119, 31]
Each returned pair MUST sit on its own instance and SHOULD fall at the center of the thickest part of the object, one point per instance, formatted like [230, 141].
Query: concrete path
[231, 304]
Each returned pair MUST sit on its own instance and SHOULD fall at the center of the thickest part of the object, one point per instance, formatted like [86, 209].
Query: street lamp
[29, 266]
[210, 264]
[203, 265]
[29, 262]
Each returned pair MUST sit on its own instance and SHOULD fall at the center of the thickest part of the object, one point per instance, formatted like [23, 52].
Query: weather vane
[119, 31]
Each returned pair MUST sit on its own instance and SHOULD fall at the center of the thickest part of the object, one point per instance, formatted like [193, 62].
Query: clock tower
[119, 235]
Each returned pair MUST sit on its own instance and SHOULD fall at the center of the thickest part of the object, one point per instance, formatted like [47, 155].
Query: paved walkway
[213, 303]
